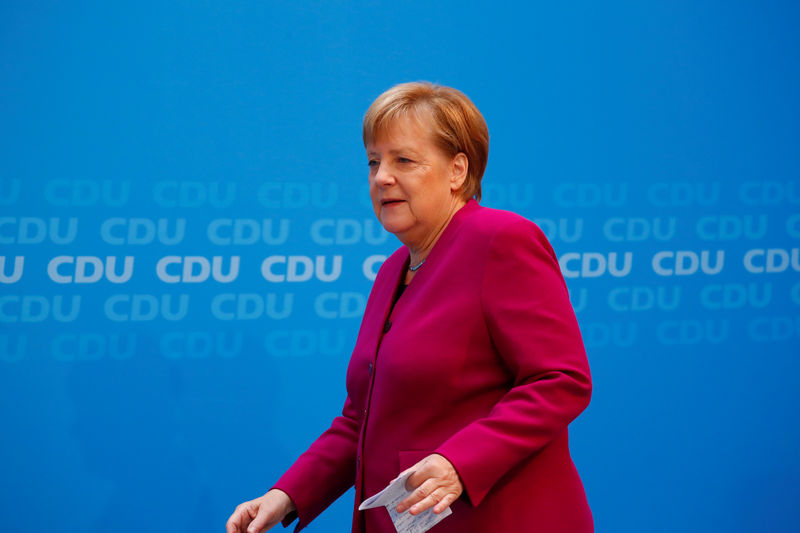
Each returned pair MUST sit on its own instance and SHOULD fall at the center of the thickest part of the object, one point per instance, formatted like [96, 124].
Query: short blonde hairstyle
[457, 124]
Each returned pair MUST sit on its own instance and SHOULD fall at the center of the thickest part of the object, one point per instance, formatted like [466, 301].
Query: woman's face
[413, 184]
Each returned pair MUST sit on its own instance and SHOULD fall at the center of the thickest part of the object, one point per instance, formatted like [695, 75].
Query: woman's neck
[419, 251]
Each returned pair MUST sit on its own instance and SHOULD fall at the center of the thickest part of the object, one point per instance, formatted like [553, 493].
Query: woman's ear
[459, 166]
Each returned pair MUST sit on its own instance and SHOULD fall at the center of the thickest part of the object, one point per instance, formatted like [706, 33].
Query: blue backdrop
[187, 244]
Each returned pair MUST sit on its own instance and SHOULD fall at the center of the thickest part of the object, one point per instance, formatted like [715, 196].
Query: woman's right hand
[259, 515]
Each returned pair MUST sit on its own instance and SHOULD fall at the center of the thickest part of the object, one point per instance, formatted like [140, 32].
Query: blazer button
[370, 369]
[387, 326]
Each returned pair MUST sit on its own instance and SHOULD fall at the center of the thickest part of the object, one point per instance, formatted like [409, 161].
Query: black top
[400, 289]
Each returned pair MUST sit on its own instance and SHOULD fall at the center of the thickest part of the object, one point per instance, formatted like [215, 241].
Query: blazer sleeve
[323, 472]
[527, 311]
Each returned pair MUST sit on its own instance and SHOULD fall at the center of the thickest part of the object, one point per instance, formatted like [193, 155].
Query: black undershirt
[397, 294]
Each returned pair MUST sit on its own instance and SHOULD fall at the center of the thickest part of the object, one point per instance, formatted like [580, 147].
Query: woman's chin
[395, 225]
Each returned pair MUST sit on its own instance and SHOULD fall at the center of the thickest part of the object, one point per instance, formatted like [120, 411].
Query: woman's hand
[435, 483]
[259, 515]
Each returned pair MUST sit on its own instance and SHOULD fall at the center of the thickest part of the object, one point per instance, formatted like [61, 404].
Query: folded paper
[404, 522]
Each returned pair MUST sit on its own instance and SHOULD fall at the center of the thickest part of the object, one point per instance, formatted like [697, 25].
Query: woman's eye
[403, 160]
[372, 163]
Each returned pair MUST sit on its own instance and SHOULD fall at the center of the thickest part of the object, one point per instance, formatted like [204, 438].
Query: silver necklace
[414, 268]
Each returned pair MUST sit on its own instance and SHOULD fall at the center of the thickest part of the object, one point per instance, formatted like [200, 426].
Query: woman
[469, 363]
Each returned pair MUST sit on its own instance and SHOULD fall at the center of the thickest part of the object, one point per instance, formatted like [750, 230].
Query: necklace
[414, 268]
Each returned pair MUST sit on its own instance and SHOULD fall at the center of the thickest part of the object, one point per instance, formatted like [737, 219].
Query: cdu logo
[327, 231]
[87, 193]
[591, 195]
[298, 268]
[146, 307]
[772, 260]
[197, 269]
[138, 231]
[763, 193]
[561, 229]
[305, 342]
[200, 344]
[736, 295]
[71, 347]
[619, 229]
[672, 332]
[683, 194]
[34, 230]
[687, 262]
[730, 227]
[644, 298]
[244, 231]
[290, 195]
[88, 269]
[251, 306]
[36, 308]
[593, 264]
[193, 194]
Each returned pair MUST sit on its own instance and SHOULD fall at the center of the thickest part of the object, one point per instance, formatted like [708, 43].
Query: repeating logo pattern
[93, 269]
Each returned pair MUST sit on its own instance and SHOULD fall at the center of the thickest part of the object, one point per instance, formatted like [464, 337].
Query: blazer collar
[397, 264]
[448, 235]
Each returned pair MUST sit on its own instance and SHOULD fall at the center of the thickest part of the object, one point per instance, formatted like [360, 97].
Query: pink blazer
[481, 360]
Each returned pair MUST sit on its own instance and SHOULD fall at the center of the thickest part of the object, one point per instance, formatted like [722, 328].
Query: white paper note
[405, 522]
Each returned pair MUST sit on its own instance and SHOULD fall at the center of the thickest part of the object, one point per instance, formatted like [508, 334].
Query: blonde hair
[457, 124]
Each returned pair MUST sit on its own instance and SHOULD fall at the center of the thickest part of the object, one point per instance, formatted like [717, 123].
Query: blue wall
[656, 143]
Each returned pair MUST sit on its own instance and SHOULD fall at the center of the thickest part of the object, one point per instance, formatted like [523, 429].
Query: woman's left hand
[434, 483]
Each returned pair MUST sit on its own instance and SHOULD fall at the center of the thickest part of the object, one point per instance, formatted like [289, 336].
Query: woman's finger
[239, 520]
[448, 499]
[433, 499]
[263, 520]
[418, 494]
[431, 474]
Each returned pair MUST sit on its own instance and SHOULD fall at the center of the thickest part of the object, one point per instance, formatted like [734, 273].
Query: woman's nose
[383, 175]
